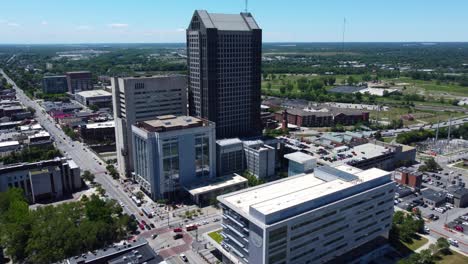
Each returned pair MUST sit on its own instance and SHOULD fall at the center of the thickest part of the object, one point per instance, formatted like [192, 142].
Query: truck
[136, 200]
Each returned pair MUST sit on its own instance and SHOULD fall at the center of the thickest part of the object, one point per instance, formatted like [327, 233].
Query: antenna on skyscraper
[246, 5]
[344, 29]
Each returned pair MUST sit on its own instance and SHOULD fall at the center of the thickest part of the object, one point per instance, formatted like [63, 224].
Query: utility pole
[246, 6]
[450, 128]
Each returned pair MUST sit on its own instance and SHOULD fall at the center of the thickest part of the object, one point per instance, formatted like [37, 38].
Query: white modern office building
[171, 153]
[308, 218]
[139, 99]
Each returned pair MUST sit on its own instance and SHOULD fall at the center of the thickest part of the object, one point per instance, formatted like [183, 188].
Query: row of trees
[421, 135]
[429, 256]
[31, 154]
[52, 233]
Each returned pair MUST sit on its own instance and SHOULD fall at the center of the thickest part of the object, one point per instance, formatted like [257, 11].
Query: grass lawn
[416, 243]
[454, 258]
[216, 236]
[388, 139]
[461, 166]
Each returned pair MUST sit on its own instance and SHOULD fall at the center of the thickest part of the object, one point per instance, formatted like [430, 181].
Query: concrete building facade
[229, 156]
[139, 99]
[79, 81]
[172, 152]
[54, 84]
[224, 64]
[260, 159]
[98, 98]
[43, 180]
[308, 218]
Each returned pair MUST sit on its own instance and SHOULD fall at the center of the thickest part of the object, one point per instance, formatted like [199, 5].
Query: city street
[83, 157]
[88, 160]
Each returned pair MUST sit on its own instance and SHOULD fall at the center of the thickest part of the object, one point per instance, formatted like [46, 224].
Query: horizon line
[267, 42]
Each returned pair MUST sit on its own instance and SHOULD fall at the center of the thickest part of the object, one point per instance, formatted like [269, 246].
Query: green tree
[94, 108]
[88, 176]
[140, 195]
[430, 165]
[443, 246]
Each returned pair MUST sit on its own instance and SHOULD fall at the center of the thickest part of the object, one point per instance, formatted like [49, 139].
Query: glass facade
[170, 160]
[202, 155]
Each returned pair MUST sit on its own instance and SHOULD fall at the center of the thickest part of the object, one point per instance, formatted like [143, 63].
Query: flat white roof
[228, 141]
[100, 125]
[40, 134]
[93, 93]
[219, 183]
[299, 157]
[293, 191]
[9, 143]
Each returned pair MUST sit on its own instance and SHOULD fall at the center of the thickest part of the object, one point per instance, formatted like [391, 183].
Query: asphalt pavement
[81, 154]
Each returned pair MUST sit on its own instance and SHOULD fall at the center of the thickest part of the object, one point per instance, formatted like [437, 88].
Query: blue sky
[98, 21]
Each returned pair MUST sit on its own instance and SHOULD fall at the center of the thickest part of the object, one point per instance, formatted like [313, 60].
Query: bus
[136, 200]
[191, 227]
[147, 211]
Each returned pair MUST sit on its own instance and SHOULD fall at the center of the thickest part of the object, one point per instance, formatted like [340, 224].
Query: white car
[183, 257]
[453, 242]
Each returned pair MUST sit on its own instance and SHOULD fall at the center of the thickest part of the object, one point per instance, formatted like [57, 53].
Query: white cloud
[44, 23]
[83, 27]
[12, 24]
[118, 25]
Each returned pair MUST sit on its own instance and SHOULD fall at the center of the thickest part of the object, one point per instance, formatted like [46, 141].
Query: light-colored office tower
[143, 98]
[308, 218]
[172, 152]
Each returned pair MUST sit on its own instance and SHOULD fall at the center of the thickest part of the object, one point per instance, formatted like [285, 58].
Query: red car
[191, 227]
[143, 222]
[459, 228]
[142, 226]
[177, 230]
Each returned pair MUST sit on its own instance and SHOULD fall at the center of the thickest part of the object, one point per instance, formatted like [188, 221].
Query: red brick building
[406, 176]
[323, 117]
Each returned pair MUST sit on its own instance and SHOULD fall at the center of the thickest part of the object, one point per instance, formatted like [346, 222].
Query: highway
[83, 157]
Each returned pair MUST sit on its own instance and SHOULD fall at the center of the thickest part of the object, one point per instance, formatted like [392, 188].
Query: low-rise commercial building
[54, 84]
[434, 198]
[135, 252]
[408, 176]
[171, 152]
[300, 163]
[43, 180]
[98, 98]
[322, 117]
[307, 217]
[458, 196]
[8, 146]
[98, 132]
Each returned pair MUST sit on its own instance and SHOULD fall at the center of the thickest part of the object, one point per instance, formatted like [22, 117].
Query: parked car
[459, 228]
[154, 236]
[435, 218]
[178, 236]
[177, 230]
[183, 257]
[430, 216]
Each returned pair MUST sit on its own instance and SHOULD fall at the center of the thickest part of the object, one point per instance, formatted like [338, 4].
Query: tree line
[52, 233]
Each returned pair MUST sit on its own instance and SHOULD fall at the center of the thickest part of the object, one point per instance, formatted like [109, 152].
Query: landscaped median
[216, 236]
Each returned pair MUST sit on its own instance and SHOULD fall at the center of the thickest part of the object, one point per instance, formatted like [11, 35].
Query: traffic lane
[75, 154]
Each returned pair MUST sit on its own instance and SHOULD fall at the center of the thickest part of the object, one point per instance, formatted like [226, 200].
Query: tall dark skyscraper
[224, 59]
